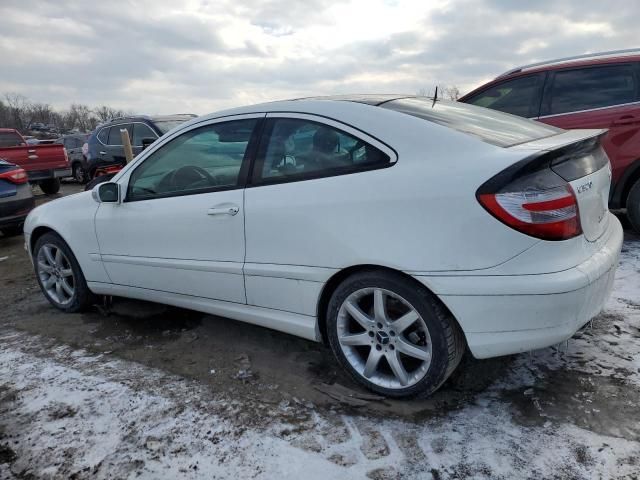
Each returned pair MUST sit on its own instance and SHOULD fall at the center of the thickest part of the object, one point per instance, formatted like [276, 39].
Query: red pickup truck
[44, 164]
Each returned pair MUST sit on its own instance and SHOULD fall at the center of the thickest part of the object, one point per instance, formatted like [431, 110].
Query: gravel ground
[147, 391]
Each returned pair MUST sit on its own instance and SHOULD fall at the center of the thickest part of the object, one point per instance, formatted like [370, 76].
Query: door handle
[228, 210]
[626, 120]
[103, 153]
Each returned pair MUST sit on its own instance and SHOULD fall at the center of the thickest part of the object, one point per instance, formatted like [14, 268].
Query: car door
[301, 211]
[180, 225]
[603, 96]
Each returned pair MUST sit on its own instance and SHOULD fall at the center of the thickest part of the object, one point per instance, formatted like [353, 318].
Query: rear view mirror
[146, 142]
[108, 192]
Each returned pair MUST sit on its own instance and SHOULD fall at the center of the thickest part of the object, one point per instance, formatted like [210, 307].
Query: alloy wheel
[55, 273]
[384, 338]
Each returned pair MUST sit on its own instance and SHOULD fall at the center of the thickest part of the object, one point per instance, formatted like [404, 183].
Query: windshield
[491, 126]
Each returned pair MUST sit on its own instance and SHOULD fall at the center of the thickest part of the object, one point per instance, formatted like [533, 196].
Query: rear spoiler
[570, 158]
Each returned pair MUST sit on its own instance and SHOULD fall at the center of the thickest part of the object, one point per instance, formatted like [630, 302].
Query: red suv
[587, 91]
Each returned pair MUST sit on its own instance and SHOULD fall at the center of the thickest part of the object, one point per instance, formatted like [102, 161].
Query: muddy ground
[280, 405]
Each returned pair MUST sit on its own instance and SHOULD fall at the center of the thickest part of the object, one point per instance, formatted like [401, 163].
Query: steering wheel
[186, 176]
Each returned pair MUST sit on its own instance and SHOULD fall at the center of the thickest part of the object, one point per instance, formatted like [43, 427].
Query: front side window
[198, 161]
[520, 96]
[140, 131]
[588, 88]
[299, 149]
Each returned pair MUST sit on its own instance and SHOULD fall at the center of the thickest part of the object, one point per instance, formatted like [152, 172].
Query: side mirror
[108, 192]
[146, 142]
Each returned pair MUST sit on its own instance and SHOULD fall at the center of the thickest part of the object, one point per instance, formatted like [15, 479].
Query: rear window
[496, 128]
[9, 139]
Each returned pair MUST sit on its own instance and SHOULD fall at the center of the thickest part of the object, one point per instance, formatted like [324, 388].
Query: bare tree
[105, 113]
[17, 106]
[450, 92]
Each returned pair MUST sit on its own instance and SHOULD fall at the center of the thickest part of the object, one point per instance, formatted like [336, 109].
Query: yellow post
[126, 143]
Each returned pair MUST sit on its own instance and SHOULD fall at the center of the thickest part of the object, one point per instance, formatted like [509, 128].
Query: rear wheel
[50, 186]
[59, 275]
[633, 206]
[79, 174]
[391, 335]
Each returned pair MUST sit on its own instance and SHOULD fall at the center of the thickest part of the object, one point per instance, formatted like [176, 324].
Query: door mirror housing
[147, 141]
[108, 192]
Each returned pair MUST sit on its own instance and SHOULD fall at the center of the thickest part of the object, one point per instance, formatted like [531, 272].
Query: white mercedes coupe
[400, 230]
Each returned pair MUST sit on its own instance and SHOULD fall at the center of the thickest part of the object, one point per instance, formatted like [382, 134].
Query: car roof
[604, 58]
[615, 56]
[305, 105]
[150, 118]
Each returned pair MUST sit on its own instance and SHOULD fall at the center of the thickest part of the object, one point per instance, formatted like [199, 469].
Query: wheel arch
[624, 185]
[39, 232]
[337, 278]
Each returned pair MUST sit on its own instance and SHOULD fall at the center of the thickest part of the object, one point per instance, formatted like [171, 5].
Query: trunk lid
[578, 158]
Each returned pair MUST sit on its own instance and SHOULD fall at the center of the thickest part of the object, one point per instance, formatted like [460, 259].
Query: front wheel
[633, 206]
[59, 275]
[392, 335]
[50, 186]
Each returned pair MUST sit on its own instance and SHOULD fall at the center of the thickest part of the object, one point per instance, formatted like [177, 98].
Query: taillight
[17, 176]
[531, 198]
[66, 156]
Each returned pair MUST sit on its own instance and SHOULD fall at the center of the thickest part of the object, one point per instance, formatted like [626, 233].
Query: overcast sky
[168, 56]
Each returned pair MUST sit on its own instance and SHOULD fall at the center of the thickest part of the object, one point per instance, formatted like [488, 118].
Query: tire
[50, 186]
[12, 231]
[57, 269]
[633, 206]
[433, 330]
[79, 174]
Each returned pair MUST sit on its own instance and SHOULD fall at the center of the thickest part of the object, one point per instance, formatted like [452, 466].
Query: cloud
[163, 56]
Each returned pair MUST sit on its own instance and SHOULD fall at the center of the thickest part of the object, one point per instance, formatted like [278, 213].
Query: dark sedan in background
[16, 198]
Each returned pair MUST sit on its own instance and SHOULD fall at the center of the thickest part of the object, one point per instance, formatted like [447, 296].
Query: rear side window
[490, 126]
[520, 96]
[588, 88]
[10, 139]
[296, 149]
[115, 137]
[103, 135]
[140, 131]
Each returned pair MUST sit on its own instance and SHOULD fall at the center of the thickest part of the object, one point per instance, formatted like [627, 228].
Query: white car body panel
[269, 263]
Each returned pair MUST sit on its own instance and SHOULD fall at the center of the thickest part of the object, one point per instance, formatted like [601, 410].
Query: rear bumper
[14, 212]
[39, 175]
[505, 314]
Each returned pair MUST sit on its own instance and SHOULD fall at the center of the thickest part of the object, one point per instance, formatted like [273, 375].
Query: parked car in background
[398, 229]
[73, 144]
[45, 164]
[16, 198]
[105, 142]
[586, 91]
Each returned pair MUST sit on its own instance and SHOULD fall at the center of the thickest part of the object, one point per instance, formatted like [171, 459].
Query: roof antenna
[435, 97]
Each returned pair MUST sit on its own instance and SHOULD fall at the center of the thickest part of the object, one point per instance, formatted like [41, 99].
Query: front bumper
[506, 314]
